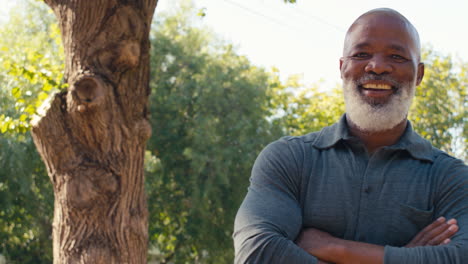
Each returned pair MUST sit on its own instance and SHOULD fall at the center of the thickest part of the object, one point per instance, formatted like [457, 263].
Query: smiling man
[367, 189]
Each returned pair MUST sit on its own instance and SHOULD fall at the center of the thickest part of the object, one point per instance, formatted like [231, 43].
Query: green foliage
[301, 110]
[27, 203]
[209, 115]
[31, 70]
[31, 57]
[439, 111]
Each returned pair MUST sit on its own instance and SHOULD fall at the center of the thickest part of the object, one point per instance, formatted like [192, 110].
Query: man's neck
[375, 140]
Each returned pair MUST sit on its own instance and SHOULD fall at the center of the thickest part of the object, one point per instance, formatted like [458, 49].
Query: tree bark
[92, 136]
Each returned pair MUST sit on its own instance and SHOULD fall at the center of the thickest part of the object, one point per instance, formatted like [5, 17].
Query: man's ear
[341, 66]
[420, 73]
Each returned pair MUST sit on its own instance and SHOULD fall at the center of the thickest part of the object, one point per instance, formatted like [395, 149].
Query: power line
[321, 20]
[276, 21]
[308, 17]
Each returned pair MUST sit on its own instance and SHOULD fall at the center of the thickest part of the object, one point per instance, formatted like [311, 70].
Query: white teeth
[377, 86]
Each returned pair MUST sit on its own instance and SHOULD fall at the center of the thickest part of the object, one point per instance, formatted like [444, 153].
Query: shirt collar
[413, 143]
[330, 135]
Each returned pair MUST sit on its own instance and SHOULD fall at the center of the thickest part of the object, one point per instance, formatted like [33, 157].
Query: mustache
[370, 77]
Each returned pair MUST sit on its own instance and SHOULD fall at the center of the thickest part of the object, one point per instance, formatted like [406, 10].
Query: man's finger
[428, 232]
[441, 238]
[437, 231]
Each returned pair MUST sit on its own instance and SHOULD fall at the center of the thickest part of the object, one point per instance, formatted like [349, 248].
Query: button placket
[366, 190]
[363, 169]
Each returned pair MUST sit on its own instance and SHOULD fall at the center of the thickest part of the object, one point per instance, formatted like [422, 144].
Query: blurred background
[228, 77]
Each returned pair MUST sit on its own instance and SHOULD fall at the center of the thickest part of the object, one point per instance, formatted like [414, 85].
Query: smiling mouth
[377, 86]
[377, 92]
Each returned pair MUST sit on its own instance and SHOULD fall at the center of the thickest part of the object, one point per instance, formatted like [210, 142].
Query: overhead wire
[321, 20]
[276, 21]
[306, 16]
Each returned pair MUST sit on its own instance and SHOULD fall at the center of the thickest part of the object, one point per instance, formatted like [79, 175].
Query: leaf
[42, 96]
[30, 109]
[23, 117]
[6, 65]
[16, 92]
[201, 12]
[3, 126]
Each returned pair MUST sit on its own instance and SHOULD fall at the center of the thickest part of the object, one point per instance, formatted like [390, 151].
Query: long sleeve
[270, 216]
[451, 202]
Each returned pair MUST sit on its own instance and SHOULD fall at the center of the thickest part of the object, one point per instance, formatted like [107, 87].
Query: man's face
[380, 69]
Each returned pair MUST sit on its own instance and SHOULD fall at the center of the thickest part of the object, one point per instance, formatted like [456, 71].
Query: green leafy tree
[301, 110]
[209, 115]
[439, 111]
[27, 203]
[30, 56]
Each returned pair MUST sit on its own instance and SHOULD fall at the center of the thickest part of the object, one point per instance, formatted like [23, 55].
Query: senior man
[367, 189]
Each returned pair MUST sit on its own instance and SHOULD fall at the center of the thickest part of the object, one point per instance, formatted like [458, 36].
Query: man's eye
[361, 55]
[398, 57]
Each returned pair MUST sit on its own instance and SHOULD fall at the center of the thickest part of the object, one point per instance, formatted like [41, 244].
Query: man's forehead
[380, 13]
[382, 20]
[392, 46]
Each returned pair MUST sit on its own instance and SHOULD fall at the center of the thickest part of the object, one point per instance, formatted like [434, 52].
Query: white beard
[377, 117]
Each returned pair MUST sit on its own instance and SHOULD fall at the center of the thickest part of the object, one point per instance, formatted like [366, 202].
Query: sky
[306, 38]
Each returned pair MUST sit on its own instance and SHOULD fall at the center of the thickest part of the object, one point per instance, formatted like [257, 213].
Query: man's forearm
[250, 248]
[331, 249]
[357, 252]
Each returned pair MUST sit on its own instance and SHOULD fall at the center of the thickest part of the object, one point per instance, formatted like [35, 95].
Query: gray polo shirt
[327, 180]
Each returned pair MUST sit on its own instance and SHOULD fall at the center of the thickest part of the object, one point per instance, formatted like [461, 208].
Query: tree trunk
[92, 137]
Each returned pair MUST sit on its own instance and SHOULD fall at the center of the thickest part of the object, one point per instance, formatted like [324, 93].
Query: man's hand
[437, 233]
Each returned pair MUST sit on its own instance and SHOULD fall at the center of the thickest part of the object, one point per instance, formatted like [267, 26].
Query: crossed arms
[329, 249]
[269, 226]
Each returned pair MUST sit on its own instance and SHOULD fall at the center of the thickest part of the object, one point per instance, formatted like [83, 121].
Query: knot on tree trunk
[94, 115]
[89, 185]
[117, 48]
[96, 254]
[143, 130]
[128, 55]
[86, 93]
[118, 57]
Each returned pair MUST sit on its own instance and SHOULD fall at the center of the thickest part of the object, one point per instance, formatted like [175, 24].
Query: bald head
[392, 17]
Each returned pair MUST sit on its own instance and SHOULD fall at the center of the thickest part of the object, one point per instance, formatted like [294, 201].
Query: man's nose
[378, 65]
